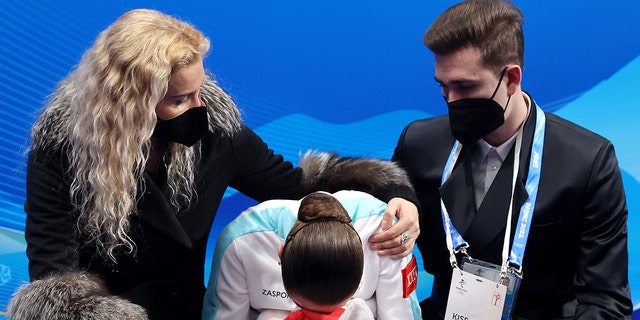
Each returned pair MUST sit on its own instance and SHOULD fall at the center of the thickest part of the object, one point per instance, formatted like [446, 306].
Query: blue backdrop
[341, 76]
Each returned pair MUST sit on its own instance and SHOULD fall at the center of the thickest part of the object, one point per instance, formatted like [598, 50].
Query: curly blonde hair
[103, 114]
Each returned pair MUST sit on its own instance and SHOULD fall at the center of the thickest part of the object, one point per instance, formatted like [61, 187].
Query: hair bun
[322, 206]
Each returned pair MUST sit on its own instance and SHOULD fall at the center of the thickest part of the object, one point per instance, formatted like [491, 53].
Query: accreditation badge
[491, 272]
[472, 297]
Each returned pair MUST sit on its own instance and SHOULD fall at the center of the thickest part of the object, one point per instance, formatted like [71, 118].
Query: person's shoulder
[435, 129]
[569, 140]
[424, 138]
[49, 154]
[360, 204]
[353, 195]
[242, 132]
[277, 216]
[273, 205]
[441, 121]
[569, 130]
[268, 214]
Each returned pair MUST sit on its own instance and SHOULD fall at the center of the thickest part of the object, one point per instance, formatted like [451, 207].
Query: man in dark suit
[567, 195]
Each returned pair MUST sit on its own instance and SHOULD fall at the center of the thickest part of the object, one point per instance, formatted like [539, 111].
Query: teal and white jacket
[245, 274]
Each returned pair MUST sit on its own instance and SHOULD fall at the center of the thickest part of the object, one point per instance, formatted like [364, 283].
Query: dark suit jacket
[576, 259]
[167, 274]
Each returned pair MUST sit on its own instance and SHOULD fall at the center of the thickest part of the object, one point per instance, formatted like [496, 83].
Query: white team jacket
[245, 273]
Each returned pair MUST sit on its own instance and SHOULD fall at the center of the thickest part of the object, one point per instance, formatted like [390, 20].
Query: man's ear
[280, 248]
[514, 78]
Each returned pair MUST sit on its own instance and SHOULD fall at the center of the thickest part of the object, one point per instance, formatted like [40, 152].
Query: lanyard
[455, 242]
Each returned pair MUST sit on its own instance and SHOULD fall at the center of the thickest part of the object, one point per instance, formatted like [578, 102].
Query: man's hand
[397, 239]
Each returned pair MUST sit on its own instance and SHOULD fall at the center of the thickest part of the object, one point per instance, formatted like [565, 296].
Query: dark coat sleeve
[260, 173]
[50, 226]
[601, 292]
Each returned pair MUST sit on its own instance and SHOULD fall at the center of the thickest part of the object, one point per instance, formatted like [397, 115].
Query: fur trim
[52, 126]
[329, 172]
[71, 296]
[224, 115]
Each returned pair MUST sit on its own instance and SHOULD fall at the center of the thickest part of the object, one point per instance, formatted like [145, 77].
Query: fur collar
[224, 115]
[329, 172]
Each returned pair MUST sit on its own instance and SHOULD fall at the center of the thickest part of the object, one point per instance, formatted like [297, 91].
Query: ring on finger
[404, 238]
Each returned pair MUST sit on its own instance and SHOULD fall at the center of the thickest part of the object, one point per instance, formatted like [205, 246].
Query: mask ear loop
[498, 87]
[499, 82]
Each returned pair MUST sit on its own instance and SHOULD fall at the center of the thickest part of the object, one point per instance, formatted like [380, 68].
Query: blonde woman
[130, 159]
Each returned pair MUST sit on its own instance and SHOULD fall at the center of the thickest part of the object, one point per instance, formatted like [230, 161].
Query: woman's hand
[397, 239]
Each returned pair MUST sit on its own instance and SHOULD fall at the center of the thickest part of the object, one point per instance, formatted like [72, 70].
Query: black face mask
[473, 118]
[187, 128]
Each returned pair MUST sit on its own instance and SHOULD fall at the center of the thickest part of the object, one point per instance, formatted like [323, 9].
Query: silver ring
[404, 238]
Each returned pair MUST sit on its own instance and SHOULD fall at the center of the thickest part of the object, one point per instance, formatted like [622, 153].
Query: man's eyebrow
[457, 81]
